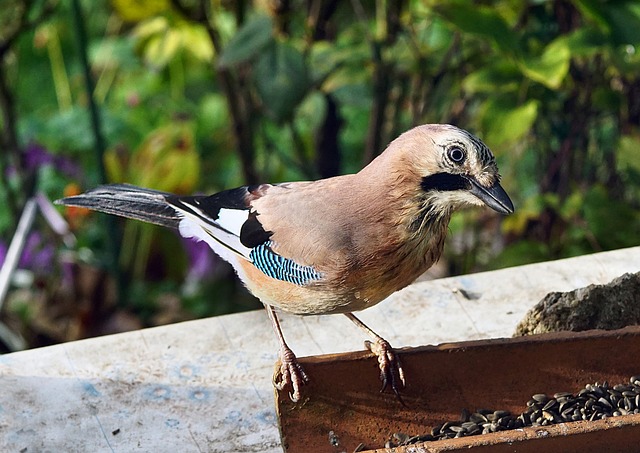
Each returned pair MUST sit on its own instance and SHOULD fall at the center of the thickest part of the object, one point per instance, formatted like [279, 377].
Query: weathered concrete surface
[205, 386]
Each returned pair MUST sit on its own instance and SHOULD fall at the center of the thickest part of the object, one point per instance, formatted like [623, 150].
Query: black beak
[495, 197]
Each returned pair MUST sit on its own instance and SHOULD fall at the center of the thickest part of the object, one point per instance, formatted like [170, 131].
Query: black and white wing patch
[227, 223]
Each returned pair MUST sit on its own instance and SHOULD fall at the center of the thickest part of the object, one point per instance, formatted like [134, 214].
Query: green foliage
[248, 42]
[483, 21]
[505, 122]
[281, 80]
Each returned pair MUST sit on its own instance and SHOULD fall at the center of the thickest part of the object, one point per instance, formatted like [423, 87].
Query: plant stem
[113, 240]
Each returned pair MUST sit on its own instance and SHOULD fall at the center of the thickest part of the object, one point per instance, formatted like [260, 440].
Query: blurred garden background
[195, 96]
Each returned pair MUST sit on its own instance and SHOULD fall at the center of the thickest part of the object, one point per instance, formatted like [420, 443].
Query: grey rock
[611, 306]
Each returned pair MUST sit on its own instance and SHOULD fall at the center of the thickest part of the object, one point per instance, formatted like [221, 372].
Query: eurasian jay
[335, 245]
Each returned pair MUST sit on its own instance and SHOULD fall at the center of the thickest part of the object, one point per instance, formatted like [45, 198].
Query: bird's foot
[391, 372]
[290, 372]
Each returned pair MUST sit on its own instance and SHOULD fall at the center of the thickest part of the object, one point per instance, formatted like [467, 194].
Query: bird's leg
[290, 370]
[391, 372]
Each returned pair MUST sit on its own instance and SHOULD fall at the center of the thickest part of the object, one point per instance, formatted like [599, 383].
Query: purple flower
[36, 156]
[37, 255]
[202, 261]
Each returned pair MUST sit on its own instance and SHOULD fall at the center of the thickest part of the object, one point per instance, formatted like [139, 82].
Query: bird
[336, 245]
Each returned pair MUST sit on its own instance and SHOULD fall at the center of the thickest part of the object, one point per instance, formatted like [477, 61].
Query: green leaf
[505, 122]
[249, 40]
[160, 49]
[338, 65]
[482, 21]
[611, 221]
[619, 19]
[551, 67]
[629, 153]
[521, 252]
[571, 206]
[585, 42]
[433, 34]
[196, 42]
[140, 9]
[281, 80]
[500, 77]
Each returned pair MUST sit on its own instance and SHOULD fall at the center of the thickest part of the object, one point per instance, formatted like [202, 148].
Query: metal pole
[15, 248]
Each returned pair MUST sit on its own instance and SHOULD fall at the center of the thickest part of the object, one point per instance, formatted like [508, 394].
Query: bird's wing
[228, 222]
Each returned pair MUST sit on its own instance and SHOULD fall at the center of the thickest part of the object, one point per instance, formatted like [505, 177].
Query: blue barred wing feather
[281, 268]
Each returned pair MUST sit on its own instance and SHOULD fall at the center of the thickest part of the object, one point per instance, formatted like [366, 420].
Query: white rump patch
[190, 229]
[232, 219]
[226, 245]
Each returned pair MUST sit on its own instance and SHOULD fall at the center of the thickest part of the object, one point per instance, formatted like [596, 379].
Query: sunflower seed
[540, 397]
[597, 401]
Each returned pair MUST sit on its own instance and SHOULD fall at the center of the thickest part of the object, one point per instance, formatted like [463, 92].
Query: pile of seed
[593, 402]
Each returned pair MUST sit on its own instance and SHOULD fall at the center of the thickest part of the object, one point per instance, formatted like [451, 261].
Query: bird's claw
[391, 372]
[290, 372]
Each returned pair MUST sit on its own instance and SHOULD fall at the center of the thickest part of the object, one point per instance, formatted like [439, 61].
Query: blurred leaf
[619, 18]
[521, 252]
[324, 58]
[113, 52]
[572, 206]
[161, 48]
[584, 41]
[337, 64]
[161, 39]
[249, 40]
[500, 77]
[135, 11]
[482, 21]
[213, 112]
[607, 99]
[114, 165]
[433, 34]
[354, 95]
[166, 160]
[311, 113]
[281, 79]
[196, 41]
[402, 54]
[150, 27]
[610, 220]
[629, 153]
[551, 67]
[69, 129]
[529, 210]
[504, 122]
[345, 78]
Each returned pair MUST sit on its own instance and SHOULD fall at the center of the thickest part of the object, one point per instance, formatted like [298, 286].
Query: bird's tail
[128, 201]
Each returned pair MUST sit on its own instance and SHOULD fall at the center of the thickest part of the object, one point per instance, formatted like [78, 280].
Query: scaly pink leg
[290, 370]
[391, 372]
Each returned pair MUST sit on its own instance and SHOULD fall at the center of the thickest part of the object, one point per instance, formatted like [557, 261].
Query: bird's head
[452, 168]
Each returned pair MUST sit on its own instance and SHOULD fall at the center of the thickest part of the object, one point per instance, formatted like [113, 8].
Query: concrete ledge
[205, 386]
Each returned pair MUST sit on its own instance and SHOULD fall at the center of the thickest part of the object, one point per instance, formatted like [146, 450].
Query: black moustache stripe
[444, 182]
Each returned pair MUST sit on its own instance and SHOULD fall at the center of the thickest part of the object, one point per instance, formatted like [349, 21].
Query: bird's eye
[456, 154]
